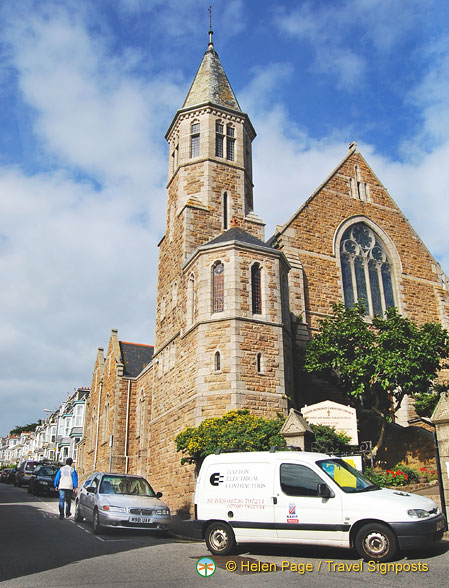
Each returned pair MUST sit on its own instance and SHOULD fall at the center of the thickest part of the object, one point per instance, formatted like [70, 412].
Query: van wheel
[376, 542]
[220, 539]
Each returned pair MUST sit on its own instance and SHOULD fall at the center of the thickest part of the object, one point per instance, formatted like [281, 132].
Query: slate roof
[211, 84]
[237, 234]
[135, 357]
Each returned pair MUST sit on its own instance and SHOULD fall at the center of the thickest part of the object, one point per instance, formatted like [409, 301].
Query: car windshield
[48, 471]
[348, 478]
[125, 485]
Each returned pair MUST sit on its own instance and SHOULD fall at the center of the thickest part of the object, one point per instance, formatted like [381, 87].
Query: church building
[233, 307]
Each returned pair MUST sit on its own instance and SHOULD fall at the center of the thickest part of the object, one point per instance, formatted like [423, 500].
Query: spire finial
[211, 32]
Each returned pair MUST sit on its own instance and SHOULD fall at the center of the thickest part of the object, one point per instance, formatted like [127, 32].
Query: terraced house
[232, 307]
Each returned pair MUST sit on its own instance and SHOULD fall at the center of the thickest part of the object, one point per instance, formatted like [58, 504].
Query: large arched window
[218, 287]
[366, 270]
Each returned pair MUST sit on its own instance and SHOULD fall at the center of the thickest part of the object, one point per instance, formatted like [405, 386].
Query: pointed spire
[211, 83]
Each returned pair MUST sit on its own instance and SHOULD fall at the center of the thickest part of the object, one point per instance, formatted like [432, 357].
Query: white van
[307, 498]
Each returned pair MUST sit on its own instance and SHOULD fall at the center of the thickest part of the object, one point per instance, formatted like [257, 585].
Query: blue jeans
[65, 496]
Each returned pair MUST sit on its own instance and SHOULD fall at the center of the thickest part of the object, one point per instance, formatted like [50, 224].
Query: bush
[237, 430]
[328, 440]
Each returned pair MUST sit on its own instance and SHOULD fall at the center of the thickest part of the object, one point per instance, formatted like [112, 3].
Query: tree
[24, 429]
[375, 364]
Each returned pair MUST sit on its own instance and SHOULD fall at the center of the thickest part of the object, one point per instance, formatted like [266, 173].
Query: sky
[88, 89]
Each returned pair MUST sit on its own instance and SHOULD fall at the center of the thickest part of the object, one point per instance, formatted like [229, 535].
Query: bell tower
[222, 323]
[210, 179]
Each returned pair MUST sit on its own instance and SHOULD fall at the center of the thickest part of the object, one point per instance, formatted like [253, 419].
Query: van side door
[302, 513]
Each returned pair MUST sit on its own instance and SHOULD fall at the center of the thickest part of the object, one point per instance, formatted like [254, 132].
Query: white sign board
[342, 418]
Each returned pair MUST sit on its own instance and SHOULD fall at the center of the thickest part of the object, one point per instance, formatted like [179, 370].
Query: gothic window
[225, 210]
[217, 361]
[218, 287]
[222, 149]
[259, 363]
[230, 142]
[366, 270]
[195, 139]
[140, 416]
[92, 431]
[256, 291]
[191, 299]
[105, 422]
[219, 139]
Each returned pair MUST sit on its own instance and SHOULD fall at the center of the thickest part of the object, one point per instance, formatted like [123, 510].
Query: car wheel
[376, 542]
[78, 518]
[220, 539]
[96, 526]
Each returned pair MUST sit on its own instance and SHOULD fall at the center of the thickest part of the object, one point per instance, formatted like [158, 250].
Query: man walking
[66, 481]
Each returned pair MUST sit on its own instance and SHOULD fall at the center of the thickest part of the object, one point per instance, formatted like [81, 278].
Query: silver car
[121, 501]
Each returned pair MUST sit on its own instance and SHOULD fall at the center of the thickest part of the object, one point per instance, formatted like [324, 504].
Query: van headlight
[418, 513]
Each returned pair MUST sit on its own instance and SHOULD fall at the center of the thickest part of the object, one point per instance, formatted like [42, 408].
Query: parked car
[42, 479]
[4, 475]
[12, 476]
[121, 501]
[24, 472]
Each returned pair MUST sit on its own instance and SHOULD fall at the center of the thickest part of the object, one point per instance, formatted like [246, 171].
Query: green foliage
[237, 430]
[376, 363]
[328, 440]
[24, 429]
[425, 402]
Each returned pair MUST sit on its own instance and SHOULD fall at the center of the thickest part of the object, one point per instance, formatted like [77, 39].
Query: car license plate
[140, 519]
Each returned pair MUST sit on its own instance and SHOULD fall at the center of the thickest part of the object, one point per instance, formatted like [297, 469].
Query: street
[39, 550]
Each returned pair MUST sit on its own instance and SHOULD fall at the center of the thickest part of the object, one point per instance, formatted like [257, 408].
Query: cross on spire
[211, 32]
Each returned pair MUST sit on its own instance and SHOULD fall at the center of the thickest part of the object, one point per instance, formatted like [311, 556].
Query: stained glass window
[366, 270]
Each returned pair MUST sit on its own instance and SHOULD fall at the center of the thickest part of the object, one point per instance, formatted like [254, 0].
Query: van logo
[215, 479]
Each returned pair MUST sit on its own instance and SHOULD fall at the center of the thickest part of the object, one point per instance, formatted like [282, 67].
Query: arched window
[218, 287]
[217, 361]
[191, 299]
[259, 363]
[195, 139]
[366, 270]
[106, 421]
[256, 290]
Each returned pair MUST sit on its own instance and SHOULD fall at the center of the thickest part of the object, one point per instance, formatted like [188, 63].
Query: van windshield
[348, 478]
